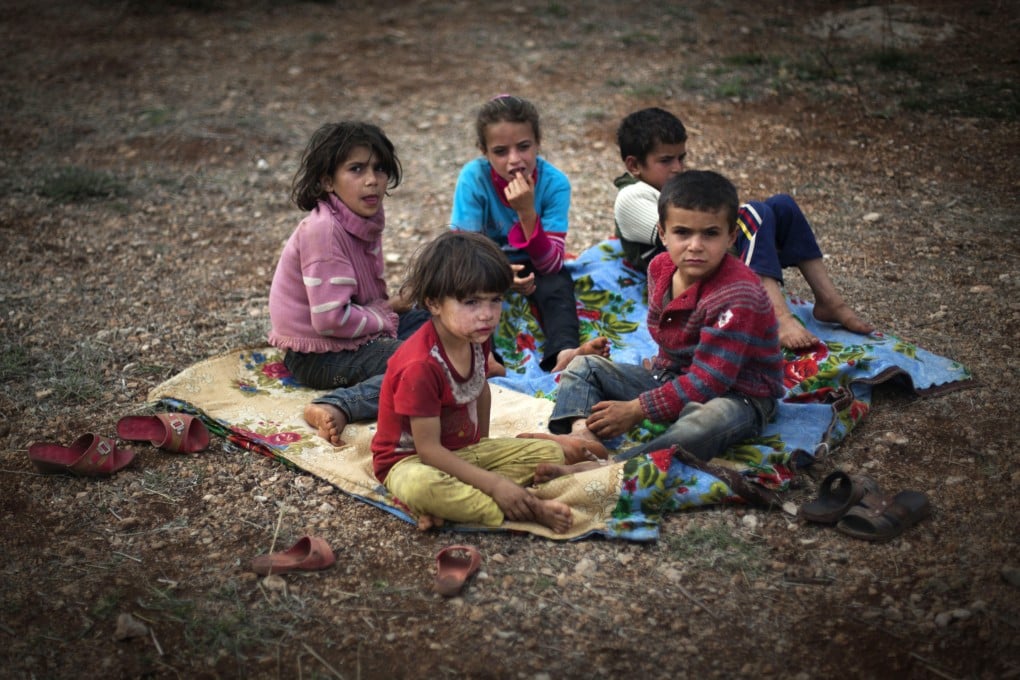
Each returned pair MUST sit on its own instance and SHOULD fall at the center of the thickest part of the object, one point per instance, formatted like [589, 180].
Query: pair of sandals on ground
[455, 564]
[93, 455]
[858, 507]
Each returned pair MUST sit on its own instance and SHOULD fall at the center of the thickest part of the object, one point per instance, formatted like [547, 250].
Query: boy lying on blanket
[719, 369]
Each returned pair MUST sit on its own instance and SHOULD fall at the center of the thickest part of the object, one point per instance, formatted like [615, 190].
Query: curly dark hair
[640, 131]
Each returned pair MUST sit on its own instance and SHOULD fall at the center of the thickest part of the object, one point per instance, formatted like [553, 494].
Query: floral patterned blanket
[248, 397]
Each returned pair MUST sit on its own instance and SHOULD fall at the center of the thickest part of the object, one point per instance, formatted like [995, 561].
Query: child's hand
[611, 418]
[520, 192]
[513, 500]
[525, 285]
[399, 304]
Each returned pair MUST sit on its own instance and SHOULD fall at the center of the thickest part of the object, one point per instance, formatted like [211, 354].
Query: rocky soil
[148, 151]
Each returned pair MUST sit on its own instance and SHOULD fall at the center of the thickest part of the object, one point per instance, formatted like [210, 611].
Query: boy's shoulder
[734, 280]
[636, 190]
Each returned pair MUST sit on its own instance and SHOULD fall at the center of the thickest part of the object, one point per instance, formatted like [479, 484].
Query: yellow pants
[430, 491]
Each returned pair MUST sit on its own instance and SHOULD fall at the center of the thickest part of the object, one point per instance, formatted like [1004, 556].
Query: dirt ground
[148, 152]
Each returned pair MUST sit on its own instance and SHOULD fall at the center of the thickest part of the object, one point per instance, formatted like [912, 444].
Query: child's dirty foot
[426, 522]
[328, 420]
[553, 514]
[546, 472]
[842, 314]
[599, 346]
[576, 449]
[793, 335]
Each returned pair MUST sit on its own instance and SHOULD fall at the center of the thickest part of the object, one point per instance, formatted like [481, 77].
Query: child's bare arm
[484, 410]
[511, 498]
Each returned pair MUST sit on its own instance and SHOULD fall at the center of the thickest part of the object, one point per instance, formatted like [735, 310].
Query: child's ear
[432, 306]
[661, 229]
[633, 165]
[326, 183]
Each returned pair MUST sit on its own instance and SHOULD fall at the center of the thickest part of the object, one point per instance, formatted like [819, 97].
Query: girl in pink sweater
[328, 304]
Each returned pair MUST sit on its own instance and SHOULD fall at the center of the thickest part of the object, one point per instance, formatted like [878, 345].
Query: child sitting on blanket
[772, 235]
[328, 304]
[432, 448]
[719, 369]
[521, 201]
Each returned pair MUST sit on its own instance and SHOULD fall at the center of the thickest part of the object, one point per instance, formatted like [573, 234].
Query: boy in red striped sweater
[719, 368]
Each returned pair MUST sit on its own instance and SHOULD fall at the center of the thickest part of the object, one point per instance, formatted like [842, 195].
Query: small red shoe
[310, 553]
[455, 564]
[89, 456]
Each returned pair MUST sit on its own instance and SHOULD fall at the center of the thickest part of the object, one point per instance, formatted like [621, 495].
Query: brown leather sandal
[836, 495]
[882, 518]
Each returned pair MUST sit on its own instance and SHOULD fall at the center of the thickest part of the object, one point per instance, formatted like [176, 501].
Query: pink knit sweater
[328, 293]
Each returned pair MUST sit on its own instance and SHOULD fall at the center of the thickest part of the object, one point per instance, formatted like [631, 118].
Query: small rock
[982, 288]
[896, 439]
[1011, 575]
[274, 583]
[750, 522]
[872, 217]
[790, 508]
[129, 627]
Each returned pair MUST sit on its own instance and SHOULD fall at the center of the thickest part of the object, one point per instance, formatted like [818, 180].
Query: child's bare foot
[576, 448]
[842, 314]
[552, 514]
[793, 335]
[426, 522]
[598, 346]
[328, 420]
[546, 472]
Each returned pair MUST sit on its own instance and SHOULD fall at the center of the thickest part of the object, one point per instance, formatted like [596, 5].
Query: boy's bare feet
[552, 514]
[328, 420]
[426, 522]
[576, 449]
[598, 346]
[793, 335]
[546, 472]
[842, 314]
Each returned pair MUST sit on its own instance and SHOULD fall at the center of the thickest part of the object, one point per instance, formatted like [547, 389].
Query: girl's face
[359, 182]
[511, 148]
[471, 320]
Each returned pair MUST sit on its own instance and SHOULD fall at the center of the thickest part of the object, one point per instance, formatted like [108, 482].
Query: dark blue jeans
[331, 370]
[557, 312]
[704, 430]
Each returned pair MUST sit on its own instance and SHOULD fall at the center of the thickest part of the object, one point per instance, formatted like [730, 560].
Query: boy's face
[697, 241]
[661, 163]
[511, 148]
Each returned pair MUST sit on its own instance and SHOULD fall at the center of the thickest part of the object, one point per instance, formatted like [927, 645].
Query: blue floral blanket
[248, 397]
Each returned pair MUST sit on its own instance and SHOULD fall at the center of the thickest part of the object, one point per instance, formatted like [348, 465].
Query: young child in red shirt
[432, 448]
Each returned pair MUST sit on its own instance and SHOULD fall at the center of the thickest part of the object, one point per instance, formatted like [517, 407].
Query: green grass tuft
[76, 185]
